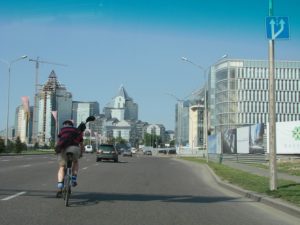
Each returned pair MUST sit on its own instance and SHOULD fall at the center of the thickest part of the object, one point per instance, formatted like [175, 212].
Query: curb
[273, 202]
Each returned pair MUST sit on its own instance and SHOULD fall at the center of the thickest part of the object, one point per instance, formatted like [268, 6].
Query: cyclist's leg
[75, 165]
[60, 174]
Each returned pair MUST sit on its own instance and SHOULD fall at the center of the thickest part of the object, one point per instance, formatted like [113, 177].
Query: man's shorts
[62, 157]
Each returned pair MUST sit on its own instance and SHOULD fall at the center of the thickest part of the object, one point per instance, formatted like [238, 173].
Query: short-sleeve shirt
[69, 136]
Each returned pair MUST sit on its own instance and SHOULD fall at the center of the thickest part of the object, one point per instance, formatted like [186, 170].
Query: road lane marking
[24, 166]
[84, 168]
[13, 196]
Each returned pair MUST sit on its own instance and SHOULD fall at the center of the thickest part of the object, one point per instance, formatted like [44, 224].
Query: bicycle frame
[68, 179]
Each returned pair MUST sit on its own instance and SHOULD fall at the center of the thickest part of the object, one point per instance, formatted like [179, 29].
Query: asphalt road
[141, 190]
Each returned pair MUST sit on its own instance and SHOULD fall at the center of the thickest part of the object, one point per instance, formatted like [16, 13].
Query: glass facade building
[239, 95]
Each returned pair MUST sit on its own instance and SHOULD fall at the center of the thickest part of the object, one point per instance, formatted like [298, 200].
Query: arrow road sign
[277, 27]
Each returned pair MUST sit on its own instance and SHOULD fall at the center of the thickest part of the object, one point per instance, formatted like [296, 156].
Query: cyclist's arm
[81, 148]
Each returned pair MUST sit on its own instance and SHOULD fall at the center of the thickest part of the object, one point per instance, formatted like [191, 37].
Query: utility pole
[35, 108]
[272, 112]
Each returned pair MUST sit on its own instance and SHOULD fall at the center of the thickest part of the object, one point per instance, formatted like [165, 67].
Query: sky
[135, 43]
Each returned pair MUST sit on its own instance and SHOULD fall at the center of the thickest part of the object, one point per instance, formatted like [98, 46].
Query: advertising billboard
[287, 137]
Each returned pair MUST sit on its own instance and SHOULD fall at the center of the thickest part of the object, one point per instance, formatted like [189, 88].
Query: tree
[10, 146]
[152, 140]
[2, 145]
[172, 143]
[18, 145]
[36, 145]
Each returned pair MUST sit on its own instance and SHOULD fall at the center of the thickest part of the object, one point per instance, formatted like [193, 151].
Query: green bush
[2, 145]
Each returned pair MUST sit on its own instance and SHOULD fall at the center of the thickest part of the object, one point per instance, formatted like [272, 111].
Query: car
[133, 150]
[172, 151]
[88, 149]
[162, 151]
[127, 152]
[147, 152]
[107, 152]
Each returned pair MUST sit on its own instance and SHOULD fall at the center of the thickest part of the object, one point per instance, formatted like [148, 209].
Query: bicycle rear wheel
[67, 186]
[67, 194]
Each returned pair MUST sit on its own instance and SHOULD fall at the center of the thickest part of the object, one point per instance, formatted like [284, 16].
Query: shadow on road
[85, 199]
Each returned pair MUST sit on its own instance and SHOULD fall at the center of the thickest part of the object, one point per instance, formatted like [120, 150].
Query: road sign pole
[272, 112]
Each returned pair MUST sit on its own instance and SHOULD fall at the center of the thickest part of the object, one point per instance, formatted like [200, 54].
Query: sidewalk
[260, 171]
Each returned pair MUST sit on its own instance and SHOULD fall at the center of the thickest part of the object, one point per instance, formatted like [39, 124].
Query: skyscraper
[54, 106]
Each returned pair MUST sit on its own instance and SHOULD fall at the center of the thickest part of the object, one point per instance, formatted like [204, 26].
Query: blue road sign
[277, 28]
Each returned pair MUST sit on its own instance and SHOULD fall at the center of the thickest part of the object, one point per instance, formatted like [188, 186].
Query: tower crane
[37, 64]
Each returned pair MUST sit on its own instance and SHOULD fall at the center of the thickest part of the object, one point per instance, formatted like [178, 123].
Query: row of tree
[12, 147]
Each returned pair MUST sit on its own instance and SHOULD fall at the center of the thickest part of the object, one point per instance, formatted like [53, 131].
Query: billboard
[212, 144]
[256, 139]
[287, 137]
[243, 140]
[229, 141]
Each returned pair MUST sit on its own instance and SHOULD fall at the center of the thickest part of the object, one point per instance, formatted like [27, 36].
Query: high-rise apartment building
[21, 126]
[81, 110]
[54, 106]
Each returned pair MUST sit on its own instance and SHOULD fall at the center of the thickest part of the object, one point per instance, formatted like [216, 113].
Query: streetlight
[205, 100]
[9, 64]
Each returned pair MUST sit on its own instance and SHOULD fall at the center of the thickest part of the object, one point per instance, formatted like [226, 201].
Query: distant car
[172, 151]
[148, 152]
[127, 152]
[162, 151]
[133, 150]
[107, 152]
[88, 149]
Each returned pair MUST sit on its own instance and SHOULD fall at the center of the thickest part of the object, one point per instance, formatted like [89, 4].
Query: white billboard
[287, 137]
[243, 140]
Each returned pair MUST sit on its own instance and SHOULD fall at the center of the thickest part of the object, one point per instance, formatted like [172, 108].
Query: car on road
[133, 150]
[107, 152]
[172, 151]
[127, 152]
[88, 149]
[147, 152]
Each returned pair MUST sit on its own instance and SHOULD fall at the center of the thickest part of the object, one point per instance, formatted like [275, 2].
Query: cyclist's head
[68, 123]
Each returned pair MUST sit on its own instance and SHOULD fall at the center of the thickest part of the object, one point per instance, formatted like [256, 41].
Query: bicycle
[68, 179]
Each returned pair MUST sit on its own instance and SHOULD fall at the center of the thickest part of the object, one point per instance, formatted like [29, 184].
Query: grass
[28, 152]
[291, 168]
[287, 190]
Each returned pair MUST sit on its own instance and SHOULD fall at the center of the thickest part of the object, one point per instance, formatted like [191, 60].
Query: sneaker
[74, 181]
[59, 194]
[60, 185]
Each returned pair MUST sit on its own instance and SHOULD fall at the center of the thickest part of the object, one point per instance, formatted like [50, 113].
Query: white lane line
[84, 168]
[13, 196]
[24, 166]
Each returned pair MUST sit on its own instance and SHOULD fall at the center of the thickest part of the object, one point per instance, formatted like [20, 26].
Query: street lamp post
[9, 64]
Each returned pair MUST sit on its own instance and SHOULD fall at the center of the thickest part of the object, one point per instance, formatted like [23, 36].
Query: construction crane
[37, 64]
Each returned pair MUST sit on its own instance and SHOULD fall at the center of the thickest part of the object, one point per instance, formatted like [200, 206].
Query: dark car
[107, 152]
[172, 151]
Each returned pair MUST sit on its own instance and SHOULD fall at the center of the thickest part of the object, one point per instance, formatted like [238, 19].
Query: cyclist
[70, 140]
